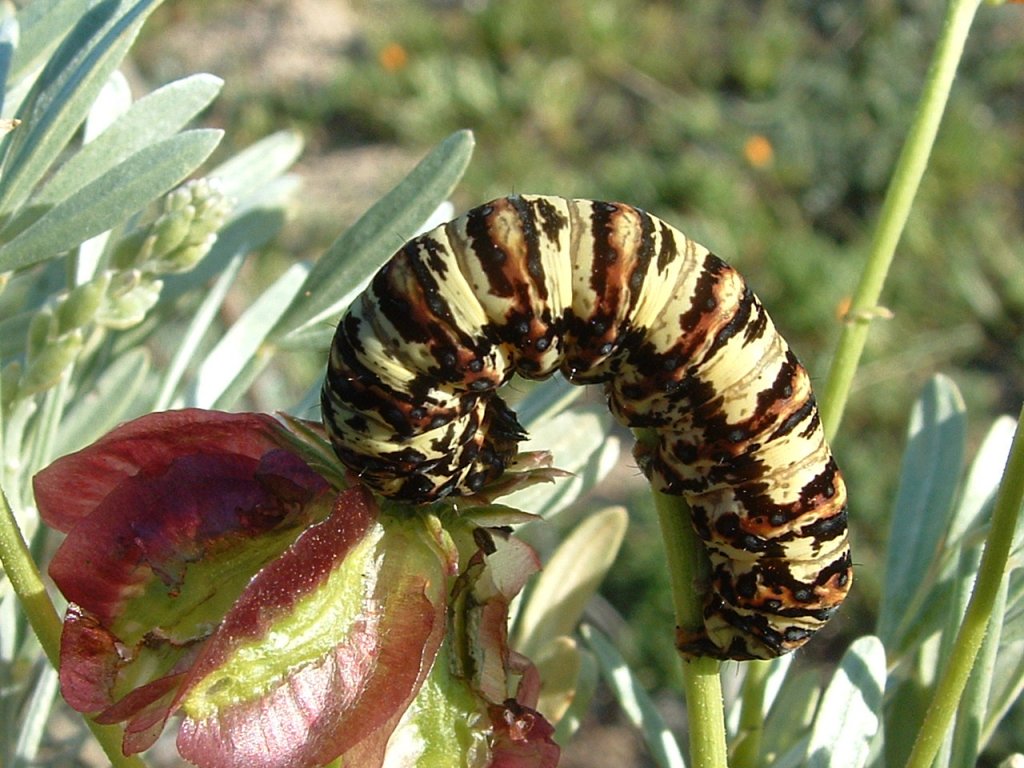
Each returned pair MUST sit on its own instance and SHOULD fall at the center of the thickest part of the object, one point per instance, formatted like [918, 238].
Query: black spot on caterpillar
[608, 294]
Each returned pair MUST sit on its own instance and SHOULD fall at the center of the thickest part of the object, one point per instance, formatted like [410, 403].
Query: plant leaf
[970, 714]
[570, 580]
[340, 273]
[65, 90]
[107, 402]
[931, 471]
[789, 719]
[246, 174]
[558, 663]
[202, 319]
[634, 701]
[41, 26]
[241, 344]
[151, 119]
[580, 440]
[851, 709]
[361, 603]
[110, 199]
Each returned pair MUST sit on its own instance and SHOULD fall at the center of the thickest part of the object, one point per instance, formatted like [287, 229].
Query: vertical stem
[747, 747]
[28, 583]
[947, 693]
[895, 209]
[687, 566]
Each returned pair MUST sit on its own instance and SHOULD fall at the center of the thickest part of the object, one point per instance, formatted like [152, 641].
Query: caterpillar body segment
[605, 293]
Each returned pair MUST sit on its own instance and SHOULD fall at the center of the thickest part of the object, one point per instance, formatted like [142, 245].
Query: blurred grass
[765, 129]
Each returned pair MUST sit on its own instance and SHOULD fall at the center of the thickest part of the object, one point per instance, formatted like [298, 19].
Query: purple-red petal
[71, 487]
[155, 527]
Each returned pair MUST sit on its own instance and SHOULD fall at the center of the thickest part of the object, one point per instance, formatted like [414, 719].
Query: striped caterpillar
[605, 293]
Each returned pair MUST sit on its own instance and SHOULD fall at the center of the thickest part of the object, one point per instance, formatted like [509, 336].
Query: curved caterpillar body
[605, 293]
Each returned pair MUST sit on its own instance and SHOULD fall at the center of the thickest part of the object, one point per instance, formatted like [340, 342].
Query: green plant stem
[688, 566]
[903, 187]
[28, 583]
[947, 693]
[747, 748]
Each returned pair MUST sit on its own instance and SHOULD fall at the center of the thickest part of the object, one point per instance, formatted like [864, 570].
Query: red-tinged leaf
[172, 551]
[522, 738]
[92, 661]
[153, 569]
[326, 647]
[92, 664]
[71, 487]
[494, 575]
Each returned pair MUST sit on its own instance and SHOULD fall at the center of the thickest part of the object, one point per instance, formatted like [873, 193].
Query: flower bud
[187, 229]
[42, 329]
[128, 299]
[78, 307]
[45, 369]
[170, 230]
[9, 377]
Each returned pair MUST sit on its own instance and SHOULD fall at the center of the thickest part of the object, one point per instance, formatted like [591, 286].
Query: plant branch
[947, 693]
[903, 187]
[688, 565]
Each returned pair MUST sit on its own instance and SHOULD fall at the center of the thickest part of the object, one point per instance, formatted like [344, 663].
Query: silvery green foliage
[116, 241]
[105, 213]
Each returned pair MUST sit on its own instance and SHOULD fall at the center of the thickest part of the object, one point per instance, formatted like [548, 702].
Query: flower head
[211, 571]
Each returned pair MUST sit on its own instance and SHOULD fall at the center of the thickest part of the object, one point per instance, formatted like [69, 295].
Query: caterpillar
[608, 294]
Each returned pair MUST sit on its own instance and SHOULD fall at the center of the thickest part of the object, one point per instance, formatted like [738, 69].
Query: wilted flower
[211, 571]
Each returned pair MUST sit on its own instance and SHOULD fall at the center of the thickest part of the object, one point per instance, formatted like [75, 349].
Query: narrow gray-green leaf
[570, 578]
[634, 701]
[110, 199]
[929, 476]
[244, 175]
[106, 404]
[983, 478]
[354, 256]
[586, 687]
[243, 340]
[114, 99]
[202, 320]
[8, 40]
[67, 87]
[581, 441]
[790, 716]
[42, 24]
[1007, 686]
[851, 709]
[36, 716]
[971, 714]
[151, 119]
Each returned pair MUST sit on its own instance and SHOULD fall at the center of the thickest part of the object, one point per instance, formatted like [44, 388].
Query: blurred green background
[765, 129]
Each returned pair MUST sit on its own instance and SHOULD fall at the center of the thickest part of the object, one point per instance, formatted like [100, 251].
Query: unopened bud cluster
[119, 297]
[181, 235]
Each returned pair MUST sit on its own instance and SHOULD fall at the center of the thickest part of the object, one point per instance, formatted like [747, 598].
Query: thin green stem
[903, 187]
[687, 566]
[28, 583]
[747, 748]
[991, 572]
